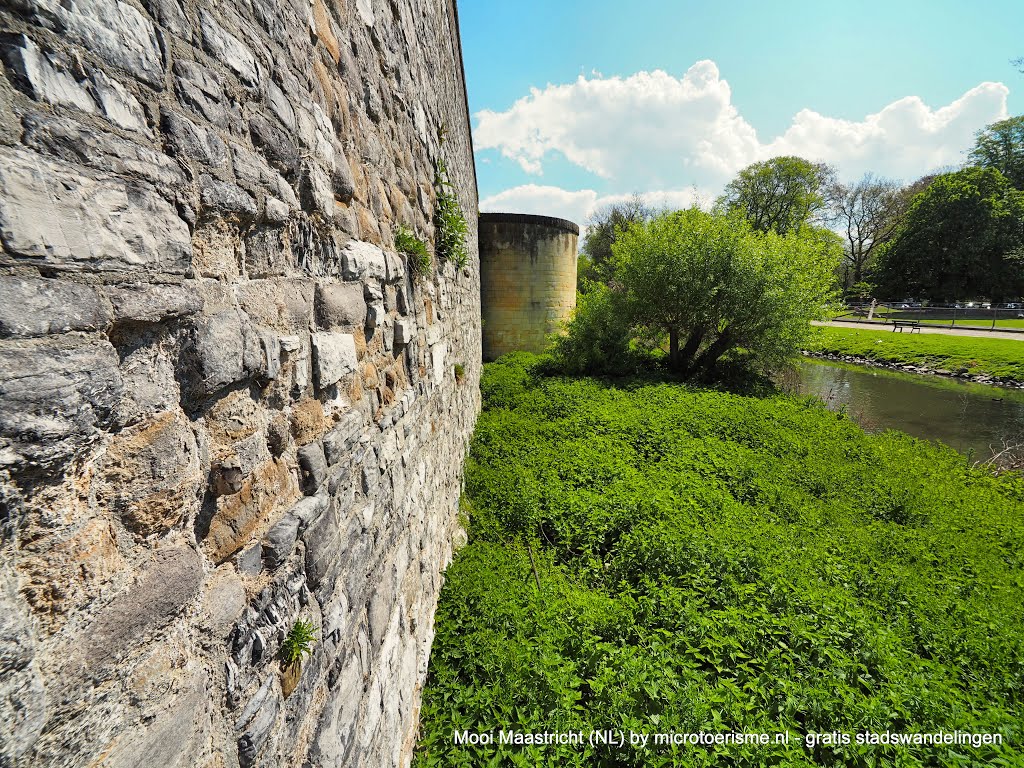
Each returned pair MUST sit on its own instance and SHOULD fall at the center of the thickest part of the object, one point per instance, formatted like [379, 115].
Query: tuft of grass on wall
[415, 249]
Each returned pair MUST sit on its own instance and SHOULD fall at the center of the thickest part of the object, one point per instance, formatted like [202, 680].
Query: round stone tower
[527, 280]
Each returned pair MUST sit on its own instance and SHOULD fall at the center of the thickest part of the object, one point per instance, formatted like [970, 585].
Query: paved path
[927, 329]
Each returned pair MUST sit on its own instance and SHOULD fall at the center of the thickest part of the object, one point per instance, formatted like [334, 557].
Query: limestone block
[199, 89]
[114, 30]
[143, 302]
[338, 443]
[174, 739]
[279, 105]
[363, 261]
[312, 467]
[438, 355]
[340, 305]
[219, 349]
[36, 307]
[334, 356]
[223, 601]
[315, 190]
[276, 145]
[73, 142]
[395, 267]
[193, 142]
[56, 393]
[222, 199]
[51, 213]
[253, 173]
[276, 211]
[342, 182]
[280, 541]
[224, 46]
[405, 330]
[256, 720]
[118, 104]
[45, 76]
[238, 516]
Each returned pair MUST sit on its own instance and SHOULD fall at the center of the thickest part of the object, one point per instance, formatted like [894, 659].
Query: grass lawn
[656, 559]
[1002, 358]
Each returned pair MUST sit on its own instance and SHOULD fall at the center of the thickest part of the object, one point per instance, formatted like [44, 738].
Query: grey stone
[276, 211]
[36, 307]
[315, 191]
[223, 199]
[45, 76]
[275, 144]
[114, 30]
[120, 107]
[334, 356]
[75, 143]
[375, 315]
[219, 344]
[249, 561]
[227, 48]
[280, 541]
[190, 141]
[363, 261]
[169, 583]
[405, 330]
[147, 303]
[340, 305]
[56, 393]
[253, 173]
[52, 214]
[312, 467]
[338, 443]
[342, 181]
[308, 508]
[22, 696]
[173, 740]
[255, 722]
[279, 105]
[199, 89]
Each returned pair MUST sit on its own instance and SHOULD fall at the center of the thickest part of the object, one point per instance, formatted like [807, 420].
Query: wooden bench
[913, 325]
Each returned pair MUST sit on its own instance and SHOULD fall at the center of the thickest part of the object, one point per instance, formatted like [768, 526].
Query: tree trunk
[673, 348]
[690, 349]
[711, 355]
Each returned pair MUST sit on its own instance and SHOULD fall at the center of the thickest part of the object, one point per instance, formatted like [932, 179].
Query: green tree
[783, 194]
[708, 285]
[867, 214]
[1001, 146]
[957, 241]
[602, 231]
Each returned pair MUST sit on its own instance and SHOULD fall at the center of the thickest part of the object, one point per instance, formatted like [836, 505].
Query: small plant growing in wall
[298, 643]
[452, 229]
[419, 257]
[460, 372]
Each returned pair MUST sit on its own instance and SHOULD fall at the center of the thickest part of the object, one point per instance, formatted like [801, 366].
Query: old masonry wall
[226, 403]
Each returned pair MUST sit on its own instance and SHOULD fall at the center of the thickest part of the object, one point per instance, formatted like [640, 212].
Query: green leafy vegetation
[660, 559]
[448, 219]
[706, 286]
[419, 257]
[298, 642]
[460, 372]
[1000, 358]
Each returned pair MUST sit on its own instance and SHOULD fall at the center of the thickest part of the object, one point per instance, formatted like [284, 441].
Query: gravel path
[927, 329]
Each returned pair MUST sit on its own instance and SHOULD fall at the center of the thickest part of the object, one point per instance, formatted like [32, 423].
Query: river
[963, 416]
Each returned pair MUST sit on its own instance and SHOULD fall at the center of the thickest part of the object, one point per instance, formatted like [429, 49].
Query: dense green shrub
[720, 563]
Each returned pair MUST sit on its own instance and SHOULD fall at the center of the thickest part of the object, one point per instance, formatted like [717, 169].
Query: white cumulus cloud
[653, 131]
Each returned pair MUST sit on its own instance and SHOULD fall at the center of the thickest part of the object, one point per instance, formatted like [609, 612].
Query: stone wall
[527, 280]
[226, 404]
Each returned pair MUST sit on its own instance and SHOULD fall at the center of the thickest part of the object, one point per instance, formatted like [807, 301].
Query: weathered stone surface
[340, 305]
[229, 49]
[363, 261]
[312, 467]
[75, 143]
[55, 395]
[173, 739]
[334, 356]
[22, 697]
[169, 583]
[280, 541]
[36, 307]
[222, 199]
[118, 104]
[404, 331]
[151, 476]
[275, 144]
[52, 214]
[199, 89]
[219, 347]
[240, 515]
[143, 302]
[112, 29]
[190, 141]
[315, 190]
[45, 76]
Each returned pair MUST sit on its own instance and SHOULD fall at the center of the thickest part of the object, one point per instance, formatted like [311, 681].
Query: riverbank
[992, 361]
[660, 559]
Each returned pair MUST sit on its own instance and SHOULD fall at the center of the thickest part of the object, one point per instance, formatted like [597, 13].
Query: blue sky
[576, 104]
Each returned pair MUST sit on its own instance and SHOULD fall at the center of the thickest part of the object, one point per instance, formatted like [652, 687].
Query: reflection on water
[963, 416]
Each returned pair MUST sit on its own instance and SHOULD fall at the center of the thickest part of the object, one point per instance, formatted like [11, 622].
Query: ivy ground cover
[649, 559]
